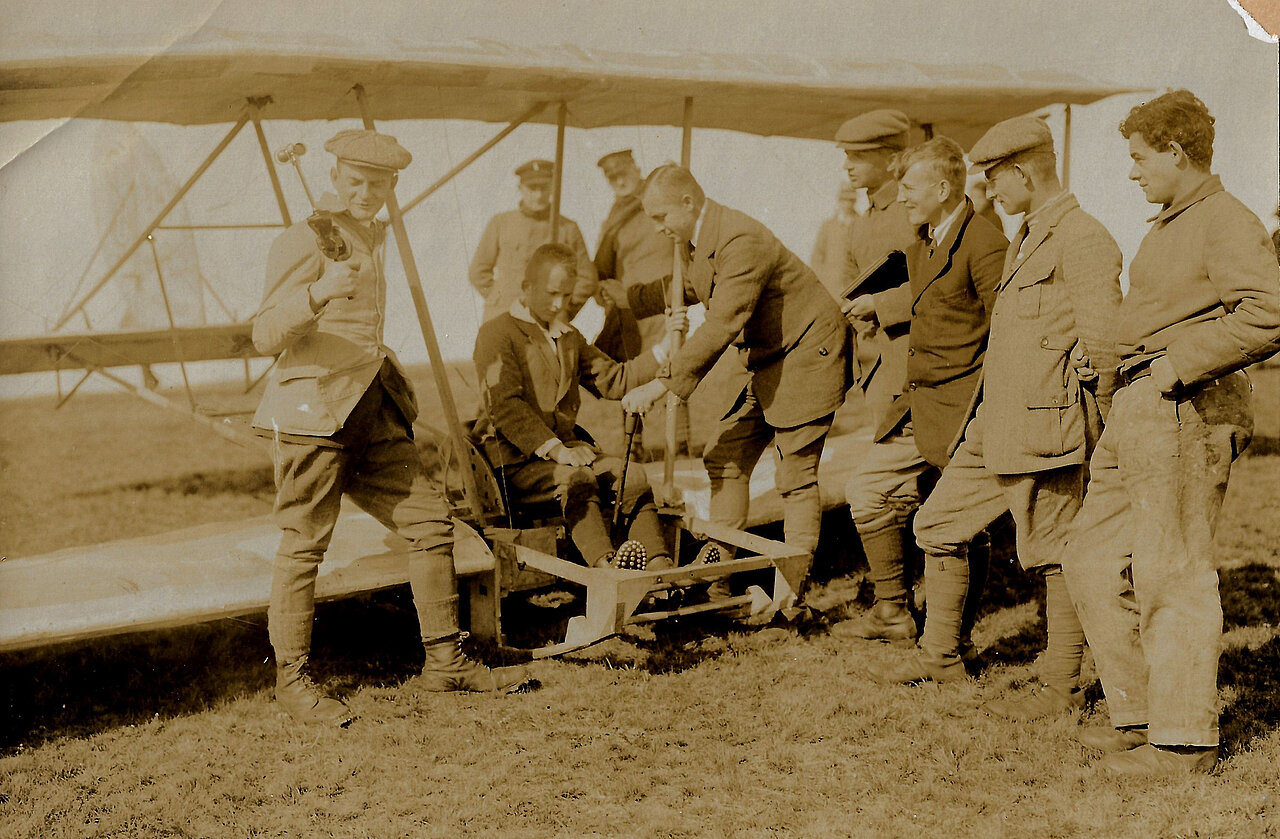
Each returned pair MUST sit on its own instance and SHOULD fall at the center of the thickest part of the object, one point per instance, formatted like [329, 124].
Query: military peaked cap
[535, 171]
[616, 160]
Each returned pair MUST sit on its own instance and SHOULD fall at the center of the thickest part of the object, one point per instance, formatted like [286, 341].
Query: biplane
[221, 76]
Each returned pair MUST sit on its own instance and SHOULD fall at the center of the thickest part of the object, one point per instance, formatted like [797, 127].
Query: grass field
[691, 729]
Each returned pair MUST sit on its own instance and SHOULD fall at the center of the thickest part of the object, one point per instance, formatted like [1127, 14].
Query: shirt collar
[1207, 187]
[937, 234]
[520, 311]
[883, 197]
[331, 203]
[697, 225]
[1046, 210]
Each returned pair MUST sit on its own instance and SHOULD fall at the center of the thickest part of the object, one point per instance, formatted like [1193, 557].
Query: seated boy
[530, 364]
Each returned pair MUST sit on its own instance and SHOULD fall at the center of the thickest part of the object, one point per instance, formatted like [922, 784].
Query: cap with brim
[1005, 139]
[535, 171]
[881, 129]
[616, 161]
[364, 147]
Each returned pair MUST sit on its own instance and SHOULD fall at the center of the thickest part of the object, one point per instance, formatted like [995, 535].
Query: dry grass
[691, 729]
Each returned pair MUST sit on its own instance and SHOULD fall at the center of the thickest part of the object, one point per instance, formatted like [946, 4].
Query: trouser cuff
[1182, 737]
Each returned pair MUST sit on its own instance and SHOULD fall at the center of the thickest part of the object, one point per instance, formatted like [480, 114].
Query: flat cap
[615, 160]
[535, 171]
[1007, 138]
[881, 129]
[368, 148]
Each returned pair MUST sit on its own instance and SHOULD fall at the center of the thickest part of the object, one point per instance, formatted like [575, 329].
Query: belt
[1129, 375]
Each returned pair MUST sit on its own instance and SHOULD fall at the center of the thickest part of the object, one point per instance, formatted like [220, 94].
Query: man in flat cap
[831, 248]
[1024, 448]
[339, 411]
[1203, 303]
[788, 332]
[871, 143]
[953, 268]
[510, 238]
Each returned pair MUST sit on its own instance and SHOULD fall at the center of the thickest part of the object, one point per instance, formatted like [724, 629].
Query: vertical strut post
[1066, 147]
[173, 327]
[439, 372]
[254, 107]
[675, 299]
[557, 173]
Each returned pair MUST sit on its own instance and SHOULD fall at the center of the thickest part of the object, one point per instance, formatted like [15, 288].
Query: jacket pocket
[296, 405]
[1030, 290]
[1054, 416]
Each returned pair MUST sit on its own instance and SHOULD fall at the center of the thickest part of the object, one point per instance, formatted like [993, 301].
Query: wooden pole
[168, 208]
[439, 372]
[1066, 148]
[675, 299]
[271, 165]
[557, 176]
[473, 157]
[173, 327]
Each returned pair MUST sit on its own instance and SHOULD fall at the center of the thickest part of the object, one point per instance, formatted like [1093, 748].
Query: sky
[50, 229]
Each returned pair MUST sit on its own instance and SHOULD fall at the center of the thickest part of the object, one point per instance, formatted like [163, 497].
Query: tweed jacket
[530, 391]
[789, 332]
[508, 240]
[327, 359]
[948, 305]
[1060, 284]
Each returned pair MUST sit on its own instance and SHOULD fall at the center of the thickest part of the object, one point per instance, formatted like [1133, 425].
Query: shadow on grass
[1254, 713]
[250, 481]
[1250, 597]
[75, 690]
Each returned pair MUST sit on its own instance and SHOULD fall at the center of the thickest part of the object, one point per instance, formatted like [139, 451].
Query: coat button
[911, 351]
[913, 386]
[1044, 342]
[822, 351]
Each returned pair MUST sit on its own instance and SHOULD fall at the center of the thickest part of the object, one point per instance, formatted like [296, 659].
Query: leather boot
[445, 668]
[304, 700]
[1047, 701]
[887, 620]
[1164, 761]
[1107, 739]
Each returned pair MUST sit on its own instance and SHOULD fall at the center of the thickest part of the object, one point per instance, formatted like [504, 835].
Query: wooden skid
[615, 597]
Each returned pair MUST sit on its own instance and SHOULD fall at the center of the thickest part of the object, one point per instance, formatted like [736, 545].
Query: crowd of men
[1008, 376]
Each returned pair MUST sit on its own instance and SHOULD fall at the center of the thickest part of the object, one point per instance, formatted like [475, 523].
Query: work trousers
[741, 438]
[885, 487]
[967, 499]
[373, 460]
[882, 494]
[1142, 570]
[578, 489]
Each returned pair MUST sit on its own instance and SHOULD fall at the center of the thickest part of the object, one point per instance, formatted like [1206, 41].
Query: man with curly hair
[1203, 303]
